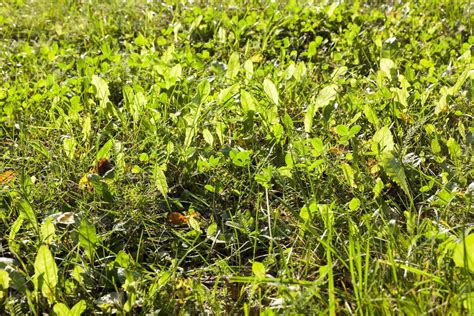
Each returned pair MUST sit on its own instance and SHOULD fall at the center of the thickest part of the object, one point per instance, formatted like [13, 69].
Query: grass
[247, 158]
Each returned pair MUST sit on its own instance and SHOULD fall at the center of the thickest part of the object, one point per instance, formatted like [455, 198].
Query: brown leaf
[176, 218]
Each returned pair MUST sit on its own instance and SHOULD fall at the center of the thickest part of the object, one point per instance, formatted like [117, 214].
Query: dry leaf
[7, 176]
[104, 166]
[64, 218]
[176, 218]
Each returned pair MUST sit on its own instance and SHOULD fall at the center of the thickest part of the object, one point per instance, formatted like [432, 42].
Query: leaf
[159, 179]
[88, 238]
[61, 309]
[371, 115]
[203, 89]
[15, 228]
[47, 231]
[7, 176]
[79, 308]
[86, 128]
[382, 141]
[194, 223]
[386, 65]
[308, 212]
[378, 187]
[105, 150]
[271, 91]
[28, 214]
[394, 169]
[233, 66]
[354, 204]
[46, 273]
[208, 138]
[248, 66]
[66, 218]
[228, 93]
[348, 174]
[326, 95]
[176, 218]
[102, 90]
[69, 146]
[258, 269]
[463, 253]
[454, 148]
[4, 282]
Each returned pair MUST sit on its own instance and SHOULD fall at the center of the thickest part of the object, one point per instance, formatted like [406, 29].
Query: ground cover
[239, 158]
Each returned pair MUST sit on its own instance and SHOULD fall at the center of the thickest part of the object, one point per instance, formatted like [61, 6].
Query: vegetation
[258, 157]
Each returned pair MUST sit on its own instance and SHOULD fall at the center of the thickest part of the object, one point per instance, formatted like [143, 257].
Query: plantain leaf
[102, 90]
[233, 67]
[88, 238]
[28, 213]
[46, 273]
[463, 254]
[271, 91]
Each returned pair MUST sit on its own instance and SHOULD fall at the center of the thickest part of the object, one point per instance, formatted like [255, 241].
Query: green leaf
[208, 138]
[12, 243]
[240, 158]
[394, 169]
[382, 141]
[271, 91]
[247, 102]
[28, 214]
[124, 259]
[102, 90]
[326, 95]
[4, 283]
[159, 179]
[463, 254]
[104, 151]
[348, 174]
[228, 93]
[248, 66]
[459, 83]
[88, 238]
[233, 67]
[378, 187]
[342, 130]
[258, 269]
[86, 128]
[386, 65]
[454, 148]
[61, 309]
[194, 223]
[308, 212]
[371, 115]
[69, 146]
[327, 214]
[46, 273]
[47, 231]
[354, 204]
[203, 89]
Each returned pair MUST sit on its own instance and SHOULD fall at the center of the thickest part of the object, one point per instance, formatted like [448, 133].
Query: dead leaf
[176, 218]
[7, 176]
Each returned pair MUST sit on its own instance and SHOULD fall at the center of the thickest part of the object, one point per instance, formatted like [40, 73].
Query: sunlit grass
[236, 159]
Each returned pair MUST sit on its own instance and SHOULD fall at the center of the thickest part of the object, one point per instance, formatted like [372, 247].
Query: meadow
[236, 157]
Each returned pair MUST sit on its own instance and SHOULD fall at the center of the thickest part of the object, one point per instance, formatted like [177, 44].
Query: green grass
[268, 158]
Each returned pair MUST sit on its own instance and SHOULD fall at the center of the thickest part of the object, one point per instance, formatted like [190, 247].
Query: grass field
[247, 158]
